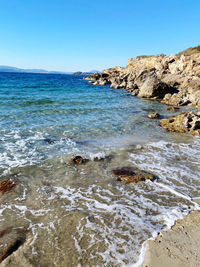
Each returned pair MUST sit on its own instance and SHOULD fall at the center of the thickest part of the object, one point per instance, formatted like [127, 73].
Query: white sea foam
[123, 216]
[99, 155]
[129, 209]
[177, 166]
[119, 218]
[18, 150]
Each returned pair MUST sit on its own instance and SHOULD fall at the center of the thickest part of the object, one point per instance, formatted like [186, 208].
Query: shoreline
[175, 81]
[174, 241]
[68, 181]
[176, 246]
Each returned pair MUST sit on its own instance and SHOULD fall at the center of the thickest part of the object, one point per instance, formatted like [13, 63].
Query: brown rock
[102, 81]
[154, 115]
[144, 74]
[130, 85]
[132, 174]
[154, 88]
[7, 185]
[176, 123]
[79, 160]
[93, 77]
[148, 62]
[196, 132]
[184, 122]
[135, 92]
[174, 79]
[178, 99]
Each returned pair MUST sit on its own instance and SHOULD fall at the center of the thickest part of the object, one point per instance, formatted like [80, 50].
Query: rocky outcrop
[174, 79]
[182, 123]
[133, 175]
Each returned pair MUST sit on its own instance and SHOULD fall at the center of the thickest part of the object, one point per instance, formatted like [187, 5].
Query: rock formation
[184, 122]
[174, 79]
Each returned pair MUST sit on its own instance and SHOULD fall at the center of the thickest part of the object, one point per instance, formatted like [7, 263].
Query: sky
[84, 35]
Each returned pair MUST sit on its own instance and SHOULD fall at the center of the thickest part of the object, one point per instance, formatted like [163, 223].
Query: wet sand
[179, 246]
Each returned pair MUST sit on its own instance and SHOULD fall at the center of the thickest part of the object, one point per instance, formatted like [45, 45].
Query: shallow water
[80, 215]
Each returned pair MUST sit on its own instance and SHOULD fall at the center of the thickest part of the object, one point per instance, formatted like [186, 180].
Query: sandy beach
[179, 246]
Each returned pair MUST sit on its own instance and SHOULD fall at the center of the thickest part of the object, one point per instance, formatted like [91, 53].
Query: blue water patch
[72, 113]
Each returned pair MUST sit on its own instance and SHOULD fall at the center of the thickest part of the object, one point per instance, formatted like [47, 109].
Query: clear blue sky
[84, 35]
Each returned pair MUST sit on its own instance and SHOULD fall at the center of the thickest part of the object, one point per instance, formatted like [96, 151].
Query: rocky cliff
[173, 79]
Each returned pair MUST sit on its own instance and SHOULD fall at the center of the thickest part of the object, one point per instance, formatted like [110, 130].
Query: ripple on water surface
[81, 214]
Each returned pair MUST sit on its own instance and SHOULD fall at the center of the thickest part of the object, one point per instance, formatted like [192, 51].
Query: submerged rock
[7, 185]
[49, 141]
[133, 174]
[182, 123]
[154, 115]
[79, 160]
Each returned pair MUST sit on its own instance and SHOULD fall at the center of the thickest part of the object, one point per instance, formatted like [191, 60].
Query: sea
[80, 215]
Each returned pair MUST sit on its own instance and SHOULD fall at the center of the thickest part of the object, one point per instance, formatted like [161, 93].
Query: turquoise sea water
[71, 114]
[46, 120]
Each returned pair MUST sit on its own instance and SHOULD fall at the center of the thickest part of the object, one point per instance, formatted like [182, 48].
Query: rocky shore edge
[173, 80]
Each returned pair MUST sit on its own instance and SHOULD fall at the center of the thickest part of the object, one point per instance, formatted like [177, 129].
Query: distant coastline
[9, 69]
[19, 70]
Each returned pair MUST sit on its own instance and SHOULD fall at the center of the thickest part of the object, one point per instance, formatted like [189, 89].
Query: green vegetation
[198, 48]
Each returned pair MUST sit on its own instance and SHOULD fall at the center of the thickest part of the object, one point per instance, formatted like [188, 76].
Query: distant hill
[13, 69]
